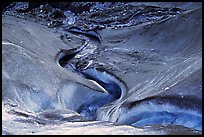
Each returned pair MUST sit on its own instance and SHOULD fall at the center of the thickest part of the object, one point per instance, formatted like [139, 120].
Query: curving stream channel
[110, 84]
[150, 111]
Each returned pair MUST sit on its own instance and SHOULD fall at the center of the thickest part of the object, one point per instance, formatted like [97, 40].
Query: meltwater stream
[110, 84]
[153, 111]
[150, 111]
[114, 87]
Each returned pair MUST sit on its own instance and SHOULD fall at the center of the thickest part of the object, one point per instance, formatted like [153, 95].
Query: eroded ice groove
[90, 33]
[114, 86]
[63, 56]
[111, 84]
[165, 110]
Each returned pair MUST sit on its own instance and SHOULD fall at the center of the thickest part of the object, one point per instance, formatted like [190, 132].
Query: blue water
[108, 82]
[88, 110]
[151, 113]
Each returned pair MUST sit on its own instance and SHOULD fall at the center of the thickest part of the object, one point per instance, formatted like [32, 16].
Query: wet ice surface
[165, 110]
[146, 75]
